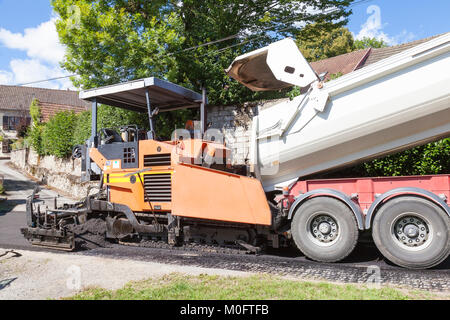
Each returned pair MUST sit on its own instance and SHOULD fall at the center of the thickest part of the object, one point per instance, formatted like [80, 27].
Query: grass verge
[259, 287]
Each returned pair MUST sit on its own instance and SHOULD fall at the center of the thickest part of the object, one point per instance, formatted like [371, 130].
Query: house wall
[7, 134]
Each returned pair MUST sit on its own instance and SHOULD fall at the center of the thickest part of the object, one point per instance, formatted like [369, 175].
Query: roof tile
[19, 98]
[344, 63]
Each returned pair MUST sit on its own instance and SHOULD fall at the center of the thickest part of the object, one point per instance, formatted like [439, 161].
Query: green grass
[184, 287]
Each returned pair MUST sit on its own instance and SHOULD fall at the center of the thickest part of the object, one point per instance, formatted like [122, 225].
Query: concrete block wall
[235, 123]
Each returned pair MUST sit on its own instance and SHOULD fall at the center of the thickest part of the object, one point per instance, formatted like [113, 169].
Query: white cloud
[30, 70]
[6, 77]
[373, 28]
[44, 53]
[41, 42]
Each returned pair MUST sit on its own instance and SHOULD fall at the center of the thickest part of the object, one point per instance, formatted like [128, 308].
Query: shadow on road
[5, 283]
[12, 187]
[15, 185]
[8, 205]
[363, 254]
[14, 254]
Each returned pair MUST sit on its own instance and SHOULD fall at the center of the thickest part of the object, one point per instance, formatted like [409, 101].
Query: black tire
[387, 224]
[308, 242]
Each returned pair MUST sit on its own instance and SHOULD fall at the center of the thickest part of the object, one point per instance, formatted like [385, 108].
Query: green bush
[35, 111]
[82, 130]
[110, 117]
[18, 144]
[57, 135]
[34, 138]
[432, 158]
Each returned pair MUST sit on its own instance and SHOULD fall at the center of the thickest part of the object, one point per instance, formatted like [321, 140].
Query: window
[6, 146]
[11, 123]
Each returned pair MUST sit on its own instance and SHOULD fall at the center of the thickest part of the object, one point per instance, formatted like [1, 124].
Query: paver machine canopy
[149, 95]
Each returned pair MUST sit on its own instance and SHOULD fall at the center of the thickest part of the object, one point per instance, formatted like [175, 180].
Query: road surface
[12, 211]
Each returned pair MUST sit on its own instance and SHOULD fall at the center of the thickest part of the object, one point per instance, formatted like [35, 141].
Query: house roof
[378, 54]
[343, 63]
[346, 63]
[19, 98]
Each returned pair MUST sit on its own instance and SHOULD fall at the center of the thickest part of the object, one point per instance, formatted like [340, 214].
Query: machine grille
[158, 187]
[162, 159]
[129, 155]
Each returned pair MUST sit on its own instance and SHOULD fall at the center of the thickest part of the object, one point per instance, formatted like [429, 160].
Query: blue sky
[30, 50]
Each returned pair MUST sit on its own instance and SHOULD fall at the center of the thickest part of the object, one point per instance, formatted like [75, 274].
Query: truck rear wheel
[324, 229]
[412, 232]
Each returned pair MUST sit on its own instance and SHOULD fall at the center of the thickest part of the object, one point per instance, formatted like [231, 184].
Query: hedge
[57, 135]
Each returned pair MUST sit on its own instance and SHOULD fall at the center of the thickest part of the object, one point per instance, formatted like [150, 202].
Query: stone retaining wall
[62, 174]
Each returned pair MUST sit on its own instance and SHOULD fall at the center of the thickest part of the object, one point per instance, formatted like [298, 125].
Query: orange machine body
[171, 179]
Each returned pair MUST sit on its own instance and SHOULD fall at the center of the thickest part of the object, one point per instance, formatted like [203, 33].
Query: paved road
[12, 211]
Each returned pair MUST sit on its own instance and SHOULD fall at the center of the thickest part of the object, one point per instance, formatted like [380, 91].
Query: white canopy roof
[130, 95]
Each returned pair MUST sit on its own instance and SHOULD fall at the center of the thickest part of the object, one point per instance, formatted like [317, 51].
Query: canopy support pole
[151, 133]
[203, 115]
[94, 123]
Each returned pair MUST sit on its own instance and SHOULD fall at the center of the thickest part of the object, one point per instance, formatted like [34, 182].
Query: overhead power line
[45, 80]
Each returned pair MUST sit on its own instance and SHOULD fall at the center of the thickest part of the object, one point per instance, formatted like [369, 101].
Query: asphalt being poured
[90, 235]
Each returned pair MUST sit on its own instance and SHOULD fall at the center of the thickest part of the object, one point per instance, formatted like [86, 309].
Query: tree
[117, 40]
[369, 43]
[34, 134]
[324, 40]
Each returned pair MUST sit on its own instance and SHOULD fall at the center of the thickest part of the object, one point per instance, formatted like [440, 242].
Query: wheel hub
[324, 229]
[411, 231]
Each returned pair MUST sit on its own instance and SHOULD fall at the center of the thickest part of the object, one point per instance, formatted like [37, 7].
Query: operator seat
[110, 136]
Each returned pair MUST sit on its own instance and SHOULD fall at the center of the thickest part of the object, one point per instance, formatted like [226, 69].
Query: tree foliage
[34, 134]
[367, 42]
[324, 40]
[57, 134]
[35, 111]
[432, 158]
